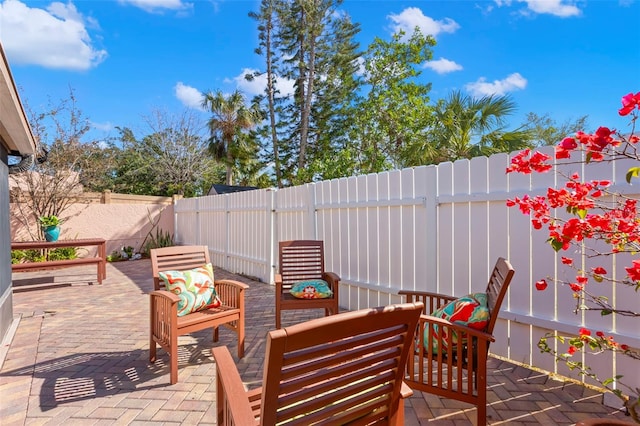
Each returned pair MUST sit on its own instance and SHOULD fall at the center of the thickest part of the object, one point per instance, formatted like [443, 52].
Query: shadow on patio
[80, 354]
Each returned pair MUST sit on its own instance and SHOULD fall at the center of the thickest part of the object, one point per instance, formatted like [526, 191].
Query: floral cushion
[194, 287]
[470, 310]
[312, 289]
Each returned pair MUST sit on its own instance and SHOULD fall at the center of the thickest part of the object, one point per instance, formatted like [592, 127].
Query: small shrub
[17, 256]
[161, 239]
[63, 253]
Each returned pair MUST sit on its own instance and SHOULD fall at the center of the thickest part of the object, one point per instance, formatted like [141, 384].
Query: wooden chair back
[176, 258]
[300, 260]
[341, 369]
[497, 288]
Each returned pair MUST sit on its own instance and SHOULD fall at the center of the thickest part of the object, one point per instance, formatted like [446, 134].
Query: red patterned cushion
[470, 310]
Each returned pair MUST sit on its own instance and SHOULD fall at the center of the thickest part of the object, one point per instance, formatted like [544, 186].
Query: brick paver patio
[79, 355]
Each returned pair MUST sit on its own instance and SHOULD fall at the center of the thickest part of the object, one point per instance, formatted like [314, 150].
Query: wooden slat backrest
[497, 289]
[178, 258]
[338, 369]
[301, 260]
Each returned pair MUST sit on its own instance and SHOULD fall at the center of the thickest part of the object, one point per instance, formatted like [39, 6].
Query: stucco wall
[119, 224]
[6, 300]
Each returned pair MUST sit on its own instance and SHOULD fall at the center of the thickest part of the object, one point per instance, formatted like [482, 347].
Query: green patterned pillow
[470, 310]
[312, 289]
[194, 287]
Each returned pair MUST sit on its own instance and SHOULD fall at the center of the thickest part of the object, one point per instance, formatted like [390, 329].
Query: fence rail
[434, 228]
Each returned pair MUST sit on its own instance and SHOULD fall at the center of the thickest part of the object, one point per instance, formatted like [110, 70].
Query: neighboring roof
[225, 189]
[15, 132]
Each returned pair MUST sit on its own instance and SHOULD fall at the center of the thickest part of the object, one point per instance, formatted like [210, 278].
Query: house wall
[120, 224]
[6, 300]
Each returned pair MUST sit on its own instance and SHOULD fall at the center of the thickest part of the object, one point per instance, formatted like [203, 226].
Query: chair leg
[215, 334]
[173, 360]
[152, 349]
[240, 332]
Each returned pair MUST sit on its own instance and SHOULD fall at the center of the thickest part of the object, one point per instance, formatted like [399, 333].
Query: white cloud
[154, 6]
[482, 87]
[442, 66]
[53, 38]
[561, 8]
[412, 17]
[189, 96]
[259, 83]
[105, 127]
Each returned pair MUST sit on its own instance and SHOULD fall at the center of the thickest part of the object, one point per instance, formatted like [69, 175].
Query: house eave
[15, 132]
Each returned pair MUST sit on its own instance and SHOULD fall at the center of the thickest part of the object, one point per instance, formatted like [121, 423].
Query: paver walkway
[79, 355]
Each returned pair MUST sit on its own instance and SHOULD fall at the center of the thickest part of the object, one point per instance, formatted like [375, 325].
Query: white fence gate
[434, 228]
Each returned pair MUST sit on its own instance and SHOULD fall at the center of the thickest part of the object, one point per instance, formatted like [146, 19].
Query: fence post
[312, 211]
[271, 207]
[198, 225]
[106, 196]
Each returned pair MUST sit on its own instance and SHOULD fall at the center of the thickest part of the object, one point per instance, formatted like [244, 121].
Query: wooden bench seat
[55, 264]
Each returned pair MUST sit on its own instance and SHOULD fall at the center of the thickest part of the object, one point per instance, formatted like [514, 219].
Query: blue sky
[126, 58]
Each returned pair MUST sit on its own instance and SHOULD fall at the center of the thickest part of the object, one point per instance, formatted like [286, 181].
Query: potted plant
[50, 226]
[591, 220]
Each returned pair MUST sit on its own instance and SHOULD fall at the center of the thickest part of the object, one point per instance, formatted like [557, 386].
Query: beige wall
[119, 224]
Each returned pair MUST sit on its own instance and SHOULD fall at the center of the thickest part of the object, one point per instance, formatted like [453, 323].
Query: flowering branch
[595, 213]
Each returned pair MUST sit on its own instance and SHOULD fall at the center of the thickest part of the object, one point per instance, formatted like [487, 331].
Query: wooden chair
[460, 372]
[341, 369]
[166, 325]
[303, 260]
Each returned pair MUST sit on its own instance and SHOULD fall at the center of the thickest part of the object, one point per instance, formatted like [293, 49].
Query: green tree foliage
[267, 20]
[393, 115]
[466, 127]
[309, 43]
[230, 117]
[545, 131]
[171, 159]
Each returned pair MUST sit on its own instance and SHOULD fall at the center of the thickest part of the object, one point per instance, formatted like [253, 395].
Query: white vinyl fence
[434, 228]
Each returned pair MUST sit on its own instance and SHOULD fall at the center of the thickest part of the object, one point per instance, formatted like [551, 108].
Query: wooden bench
[99, 260]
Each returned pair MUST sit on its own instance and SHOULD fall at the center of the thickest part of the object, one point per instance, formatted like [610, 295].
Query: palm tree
[229, 117]
[468, 127]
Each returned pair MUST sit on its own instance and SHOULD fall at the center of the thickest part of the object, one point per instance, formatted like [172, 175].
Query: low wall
[120, 224]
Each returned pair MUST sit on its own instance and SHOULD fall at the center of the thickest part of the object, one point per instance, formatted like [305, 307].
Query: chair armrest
[331, 277]
[231, 292]
[231, 395]
[171, 298]
[278, 278]
[405, 390]
[431, 301]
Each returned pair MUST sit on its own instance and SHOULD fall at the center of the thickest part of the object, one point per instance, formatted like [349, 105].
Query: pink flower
[629, 102]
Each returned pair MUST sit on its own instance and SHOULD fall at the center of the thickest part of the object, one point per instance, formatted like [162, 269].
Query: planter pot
[51, 233]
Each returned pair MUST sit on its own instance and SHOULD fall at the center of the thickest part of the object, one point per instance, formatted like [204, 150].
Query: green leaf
[555, 244]
[605, 312]
[632, 172]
